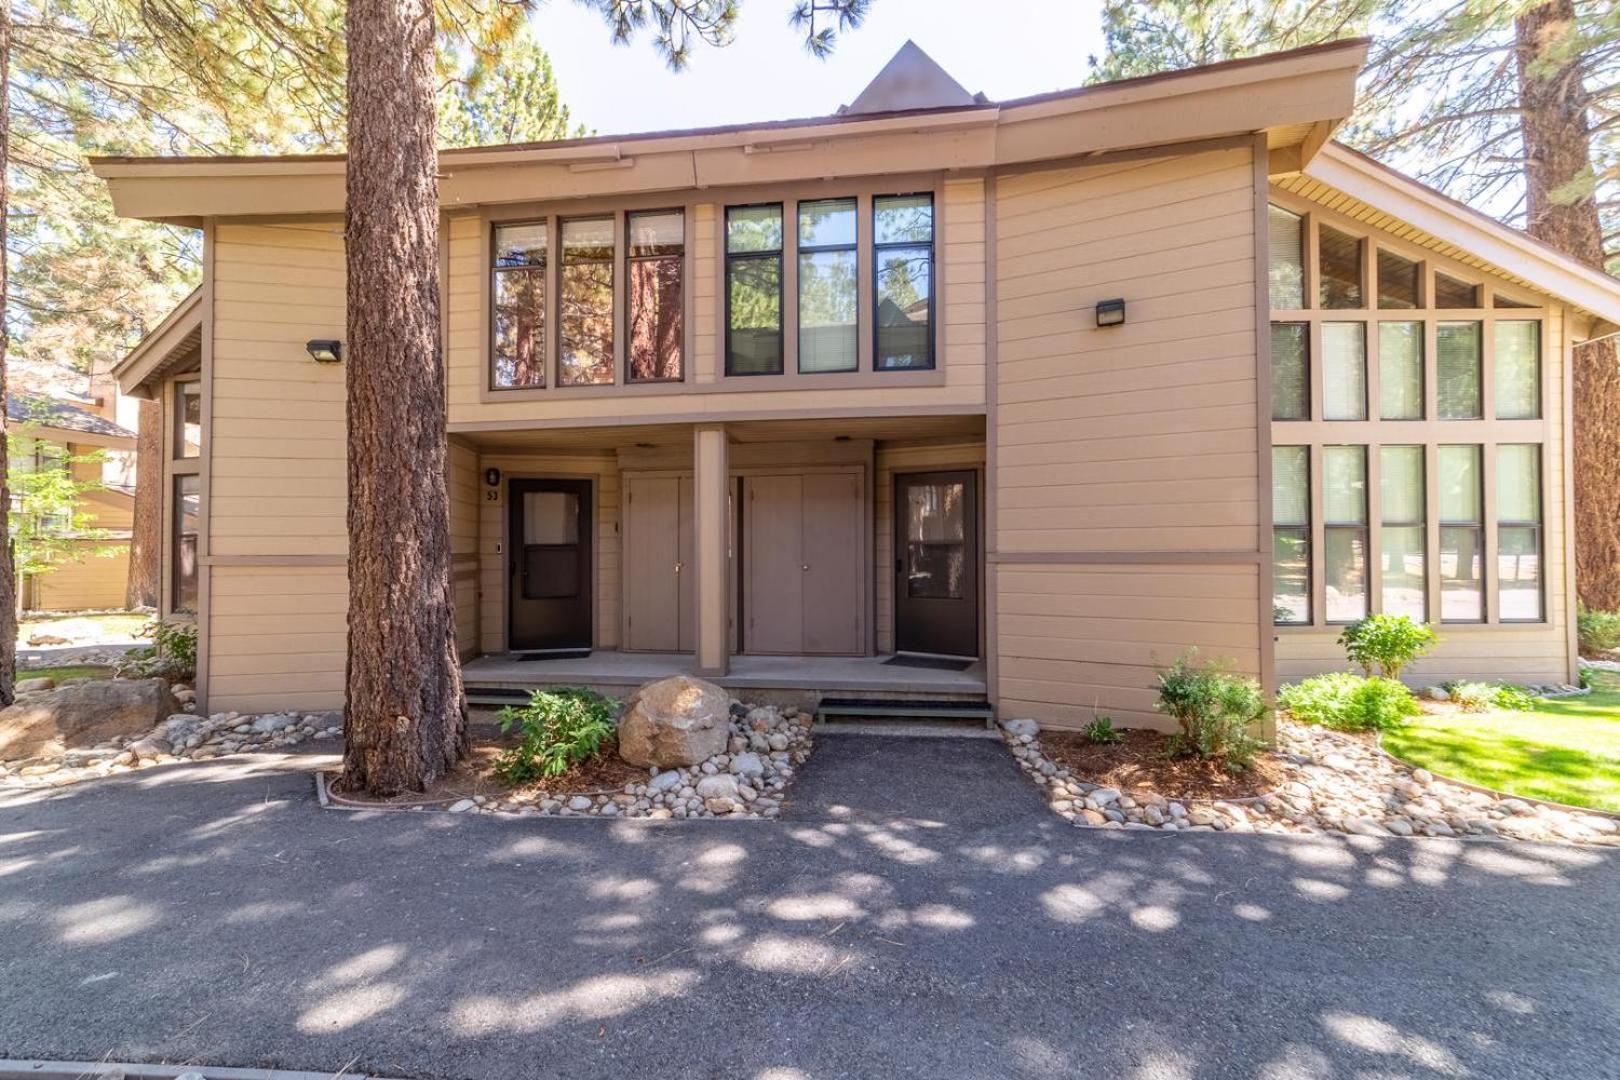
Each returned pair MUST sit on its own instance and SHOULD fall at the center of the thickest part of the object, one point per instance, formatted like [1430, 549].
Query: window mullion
[865, 287]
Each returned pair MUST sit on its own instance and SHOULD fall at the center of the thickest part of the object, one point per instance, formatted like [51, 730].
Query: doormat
[572, 654]
[936, 663]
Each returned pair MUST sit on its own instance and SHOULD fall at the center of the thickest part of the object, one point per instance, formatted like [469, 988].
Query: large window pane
[1287, 244]
[1291, 537]
[935, 540]
[1344, 371]
[1344, 574]
[1290, 371]
[1518, 483]
[188, 419]
[1451, 293]
[1339, 262]
[1344, 485]
[1398, 287]
[183, 543]
[1402, 564]
[1518, 573]
[520, 328]
[1400, 370]
[754, 290]
[827, 289]
[1459, 484]
[1400, 485]
[1458, 362]
[586, 311]
[1291, 485]
[903, 254]
[1461, 586]
[1518, 370]
[655, 292]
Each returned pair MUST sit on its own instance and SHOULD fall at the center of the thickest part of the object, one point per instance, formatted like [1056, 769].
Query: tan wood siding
[95, 582]
[466, 488]
[278, 635]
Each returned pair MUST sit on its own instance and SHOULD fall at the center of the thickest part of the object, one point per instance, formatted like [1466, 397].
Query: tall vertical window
[1344, 520]
[1462, 535]
[1291, 535]
[827, 291]
[1401, 535]
[1286, 232]
[519, 323]
[903, 260]
[754, 290]
[586, 311]
[654, 293]
[1344, 371]
[1339, 266]
[1518, 370]
[1290, 371]
[188, 419]
[1451, 293]
[1518, 532]
[1398, 285]
[183, 543]
[1400, 370]
[1458, 369]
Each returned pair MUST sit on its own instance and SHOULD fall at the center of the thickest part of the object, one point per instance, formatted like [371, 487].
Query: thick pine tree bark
[405, 719]
[8, 563]
[1558, 150]
[146, 534]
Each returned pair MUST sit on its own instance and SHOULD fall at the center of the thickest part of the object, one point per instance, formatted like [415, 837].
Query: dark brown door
[550, 565]
[936, 544]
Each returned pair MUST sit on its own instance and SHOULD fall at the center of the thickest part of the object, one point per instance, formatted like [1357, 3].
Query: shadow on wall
[212, 914]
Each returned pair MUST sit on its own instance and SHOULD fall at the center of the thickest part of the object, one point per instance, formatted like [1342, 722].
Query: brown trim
[988, 487]
[206, 468]
[1136, 153]
[550, 423]
[1264, 545]
[1127, 558]
[1567, 450]
[275, 560]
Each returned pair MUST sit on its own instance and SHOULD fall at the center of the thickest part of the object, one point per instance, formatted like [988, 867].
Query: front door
[936, 587]
[550, 565]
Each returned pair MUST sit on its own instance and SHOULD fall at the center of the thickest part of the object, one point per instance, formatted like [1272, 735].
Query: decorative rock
[719, 804]
[1021, 727]
[720, 786]
[462, 806]
[666, 781]
[748, 766]
[83, 714]
[1437, 693]
[34, 686]
[274, 722]
[579, 803]
[675, 721]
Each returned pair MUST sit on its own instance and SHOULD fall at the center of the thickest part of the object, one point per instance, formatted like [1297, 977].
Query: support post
[711, 475]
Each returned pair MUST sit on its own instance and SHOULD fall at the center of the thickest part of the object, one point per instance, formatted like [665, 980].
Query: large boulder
[83, 714]
[673, 722]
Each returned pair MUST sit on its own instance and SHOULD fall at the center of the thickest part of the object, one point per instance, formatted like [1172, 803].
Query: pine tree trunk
[405, 719]
[1558, 150]
[146, 534]
[8, 563]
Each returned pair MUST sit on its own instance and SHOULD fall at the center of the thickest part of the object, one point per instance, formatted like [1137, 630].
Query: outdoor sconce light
[492, 477]
[1110, 313]
[325, 352]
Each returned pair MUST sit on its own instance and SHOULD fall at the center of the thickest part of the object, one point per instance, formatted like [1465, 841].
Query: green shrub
[1599, 631]
[1349, 702]
[559, 728]
[1102, 731]
[1512, 698]
[1386, 642]
[172, 655]
[1483, 697]
[1213, 709]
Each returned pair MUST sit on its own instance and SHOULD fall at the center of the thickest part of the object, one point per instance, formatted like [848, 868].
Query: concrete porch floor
[609, 670]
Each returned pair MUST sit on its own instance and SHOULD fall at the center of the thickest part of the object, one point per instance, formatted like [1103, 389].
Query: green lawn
[1567, 751]
[66, 671]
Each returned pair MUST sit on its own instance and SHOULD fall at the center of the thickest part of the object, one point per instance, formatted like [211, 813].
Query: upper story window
[754, 290]
[1287, 245]
[1451, 293]
[1400, 281]
[519, 323]
[187, 419]
[828, 294]
[586, 303]
[903, 257]
[1518, 370]
[655, 295]
[1339, 268]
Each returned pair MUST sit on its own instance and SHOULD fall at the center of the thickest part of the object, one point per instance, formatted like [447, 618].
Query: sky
[1009, 49]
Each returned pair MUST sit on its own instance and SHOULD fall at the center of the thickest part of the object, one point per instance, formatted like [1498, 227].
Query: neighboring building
[91, 565]
[1060, 386]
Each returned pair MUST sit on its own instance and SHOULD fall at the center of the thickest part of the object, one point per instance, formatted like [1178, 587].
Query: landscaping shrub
[1483, 697]
[1386, 642]
[1349, 702]
[1214, 710]
[1599, 631]
[560, 729]
[172, 655]
[1102, 731]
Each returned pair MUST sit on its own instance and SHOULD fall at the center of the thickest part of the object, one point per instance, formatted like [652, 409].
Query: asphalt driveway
[212, 913]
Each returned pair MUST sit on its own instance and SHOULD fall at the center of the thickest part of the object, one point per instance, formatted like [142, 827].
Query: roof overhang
[175, 345]
[1296, 97]
[1539, 265]
[52, 433]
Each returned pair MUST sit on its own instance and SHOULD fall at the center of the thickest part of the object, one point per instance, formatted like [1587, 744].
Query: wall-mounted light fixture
[325, 352]
[492, 477]
[1110, 313]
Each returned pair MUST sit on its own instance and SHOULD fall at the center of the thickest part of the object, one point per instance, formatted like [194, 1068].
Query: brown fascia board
[1234, 97]
[157, 348]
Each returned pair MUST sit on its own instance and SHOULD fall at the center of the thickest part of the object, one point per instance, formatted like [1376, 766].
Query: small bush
[1483, 697]
[1102, 731]
[1386, 642]
[1599, 631]
[560, 729]
[1349, 702]
[1514, 698]
[1214, 710]
[172, 656]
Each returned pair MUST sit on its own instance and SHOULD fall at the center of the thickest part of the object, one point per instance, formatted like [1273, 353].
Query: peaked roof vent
[911, 80]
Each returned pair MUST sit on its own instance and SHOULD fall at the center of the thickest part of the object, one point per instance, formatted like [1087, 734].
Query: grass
[1565, 751]
[66, 671]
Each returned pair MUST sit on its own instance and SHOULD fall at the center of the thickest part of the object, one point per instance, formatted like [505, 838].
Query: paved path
[212, 913]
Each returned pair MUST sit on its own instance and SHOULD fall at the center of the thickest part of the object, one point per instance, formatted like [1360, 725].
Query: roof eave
[152, 355]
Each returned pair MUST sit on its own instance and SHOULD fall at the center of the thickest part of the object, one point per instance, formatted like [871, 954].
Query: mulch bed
[1137, 764]
[475, 775]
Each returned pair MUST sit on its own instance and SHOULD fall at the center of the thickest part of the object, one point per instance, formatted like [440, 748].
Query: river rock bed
[1336, 782]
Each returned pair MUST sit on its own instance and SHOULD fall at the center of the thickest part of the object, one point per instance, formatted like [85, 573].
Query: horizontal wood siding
[466, 489]
[1124, 440]
[277, 637]
[96, 581]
